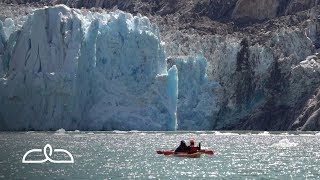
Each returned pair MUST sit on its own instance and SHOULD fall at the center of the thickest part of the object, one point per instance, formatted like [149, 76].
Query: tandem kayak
[194, 155]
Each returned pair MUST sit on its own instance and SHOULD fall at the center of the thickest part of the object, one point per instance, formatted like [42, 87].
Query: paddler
[182, 148]
[192, 148]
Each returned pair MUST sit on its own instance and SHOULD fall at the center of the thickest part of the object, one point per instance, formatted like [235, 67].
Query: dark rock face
[309, 119]
[300, 5]
[256, 9]
[263, 53]
[244, 87]
[213, 9]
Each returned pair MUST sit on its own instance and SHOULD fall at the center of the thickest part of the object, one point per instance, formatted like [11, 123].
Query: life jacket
[193, 149]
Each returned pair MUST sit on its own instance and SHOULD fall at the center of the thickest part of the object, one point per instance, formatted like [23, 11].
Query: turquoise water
[131, 155]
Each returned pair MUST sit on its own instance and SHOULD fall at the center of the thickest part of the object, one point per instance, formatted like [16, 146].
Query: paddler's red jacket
[193, 149]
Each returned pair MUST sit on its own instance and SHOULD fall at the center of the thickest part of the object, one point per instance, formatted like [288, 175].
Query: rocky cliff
[261, 69]
[214, 9]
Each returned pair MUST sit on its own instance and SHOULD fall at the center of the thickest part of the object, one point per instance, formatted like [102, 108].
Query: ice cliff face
[197, 106]
[93, 71]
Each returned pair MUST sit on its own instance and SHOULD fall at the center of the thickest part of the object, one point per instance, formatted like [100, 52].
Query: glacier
[90, 71]
[78, 69]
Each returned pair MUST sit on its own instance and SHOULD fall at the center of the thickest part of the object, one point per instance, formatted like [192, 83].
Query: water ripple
[131, 155]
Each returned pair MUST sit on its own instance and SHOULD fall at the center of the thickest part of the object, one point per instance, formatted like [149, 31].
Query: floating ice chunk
[225, 133]
[317, 134]
[284, 134]
[77, 131]
[134, 131]
[60, 132]
[231, 134]
[265, 133]
[120, 132]
[284, 143]
[306, 135]
[200, 131]
[246, 134]
[90, 133]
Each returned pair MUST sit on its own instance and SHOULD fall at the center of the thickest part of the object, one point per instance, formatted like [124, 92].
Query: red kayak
[182, 154]
[193, 155]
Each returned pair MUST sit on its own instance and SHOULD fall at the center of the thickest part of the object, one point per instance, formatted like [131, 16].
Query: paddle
[160, 152]
[167, 153]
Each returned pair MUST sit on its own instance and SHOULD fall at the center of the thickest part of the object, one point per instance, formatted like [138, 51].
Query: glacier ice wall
[197, 103]
[94, 71]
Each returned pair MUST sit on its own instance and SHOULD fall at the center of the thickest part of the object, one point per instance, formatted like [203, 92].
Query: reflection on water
[121, 154]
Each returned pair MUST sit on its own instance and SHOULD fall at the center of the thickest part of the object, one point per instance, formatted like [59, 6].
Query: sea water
[132, 155]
